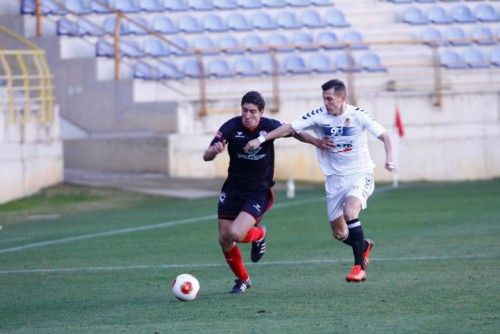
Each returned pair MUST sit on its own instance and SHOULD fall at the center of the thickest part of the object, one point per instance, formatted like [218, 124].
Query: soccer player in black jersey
[246, 194]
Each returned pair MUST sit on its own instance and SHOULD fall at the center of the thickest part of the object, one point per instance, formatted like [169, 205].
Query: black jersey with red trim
[255, 169]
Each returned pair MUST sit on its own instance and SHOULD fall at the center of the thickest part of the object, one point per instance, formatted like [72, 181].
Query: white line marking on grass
[139, 228]
[211, 265]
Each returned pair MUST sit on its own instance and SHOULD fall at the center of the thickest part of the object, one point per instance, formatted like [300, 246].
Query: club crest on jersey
[347, 122]
[222, 197]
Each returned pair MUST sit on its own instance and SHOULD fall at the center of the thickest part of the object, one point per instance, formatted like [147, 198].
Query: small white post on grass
[290, 188]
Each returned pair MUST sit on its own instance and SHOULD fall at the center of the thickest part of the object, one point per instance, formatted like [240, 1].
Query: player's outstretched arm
[213, 150]
[389, 160]
[323, 144]
[282, 131]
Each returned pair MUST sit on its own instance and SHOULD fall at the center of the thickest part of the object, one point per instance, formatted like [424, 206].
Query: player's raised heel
[357, 274]
[259, 247]
[366, 253]
[241, 286]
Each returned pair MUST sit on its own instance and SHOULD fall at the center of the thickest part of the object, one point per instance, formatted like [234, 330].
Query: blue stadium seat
[346, 63]
[229, 44]
[131, 49]
[475, 59]
[426, 1]
[438, 15]
[191, 68]
[262, 21]
[486, 13]
[456, 36]
[109, 26]
[89, 28]
[253, 43]
[249, 4]
[104, 49]
[164, 25]
[295, 65]
[52, 7]
[155, 48]
[354, 39]
[268, 67]
[274, 3]
[78, 6]
[432, 36]
[189, 24]
[168, 70]
[183, 48]
[298, 3]
[495, 56]
[304, 41]
[312, 19]
[201, 4]
[101, 6]
[136, 26]
[400, 1]
[176, 5]
[152, 5]
[279, 42]
[214, 23]
[238, 22]
[204, 44]
[225, 4]
[145, 71]
[66, 27]
[328, 40]
[335, 18]
[246, 67]
[413, 15]
[483, 36]
[127, 6]
[219, 68]
[462, 14]
[287, 20]
[452, 60]
[371, 62]
[322, 2]
[321, 63]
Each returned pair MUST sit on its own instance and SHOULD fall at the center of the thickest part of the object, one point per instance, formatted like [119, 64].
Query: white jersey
[348, 132]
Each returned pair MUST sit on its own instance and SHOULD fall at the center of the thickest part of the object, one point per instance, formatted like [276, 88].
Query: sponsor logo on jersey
[252, 154]
[239, 134]
[257, 207]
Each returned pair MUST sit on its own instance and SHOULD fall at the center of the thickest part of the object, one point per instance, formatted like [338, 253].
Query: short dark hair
[254, 98]
[336, 84]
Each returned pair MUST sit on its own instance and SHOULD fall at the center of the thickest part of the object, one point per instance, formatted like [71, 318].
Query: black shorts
[255, 203]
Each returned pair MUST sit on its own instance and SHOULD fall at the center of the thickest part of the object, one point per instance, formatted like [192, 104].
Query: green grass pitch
[87, 260]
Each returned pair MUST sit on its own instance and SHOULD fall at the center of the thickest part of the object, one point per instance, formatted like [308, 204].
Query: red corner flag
[398, 123]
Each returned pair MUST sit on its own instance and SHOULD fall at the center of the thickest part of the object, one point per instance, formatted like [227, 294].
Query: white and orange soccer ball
[185, 287]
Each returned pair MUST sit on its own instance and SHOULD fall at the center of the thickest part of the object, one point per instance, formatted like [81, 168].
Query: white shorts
[338, 188]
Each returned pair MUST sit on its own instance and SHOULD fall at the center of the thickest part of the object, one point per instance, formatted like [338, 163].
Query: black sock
[357, 240]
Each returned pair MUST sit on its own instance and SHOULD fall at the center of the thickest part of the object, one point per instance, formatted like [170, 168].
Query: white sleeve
[307, 122]
[371, 124]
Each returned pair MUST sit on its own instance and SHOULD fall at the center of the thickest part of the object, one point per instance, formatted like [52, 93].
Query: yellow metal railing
[26, 82]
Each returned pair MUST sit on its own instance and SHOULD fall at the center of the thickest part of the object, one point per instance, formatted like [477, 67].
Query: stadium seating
[475, 58]
[322, 2]
[229, 44]
[304, 41]
[451, 59]
[100, 7]
[201, 5]
[164, 25]
[371, 62]
[462, 14]
[155, 48]
[438, 15]
[320, 63]
[298, 3]
[346, 63]
[168, 70]
[413, 15]
[328, 40]
[266, 66]
[214, 23]
[456, 36]
[204, 44]
[354, 39]
[245, 67]
[189, 24]
[191, 68]
[274, 3]
[138, 26]
[287, 20]
[145, 71]
[219, 68]
[183, 47]
[495, 56]
[311, 19]
[225, 4]
[87, 28]
[238, 22]
[486, 13]
[335, 18]
[432, 36]
[126, 6]
[152, 5]
[253, 43]
[279, 42]
[295, 65]
[249, 4]
[483, 36]
[109, 26]
[263, 21]
[176, 5]
[78, 7]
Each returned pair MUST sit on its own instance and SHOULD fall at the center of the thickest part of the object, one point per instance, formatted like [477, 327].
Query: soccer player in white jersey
[344, 158]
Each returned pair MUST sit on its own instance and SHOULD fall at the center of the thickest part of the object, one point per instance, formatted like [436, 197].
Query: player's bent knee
[339, 237]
